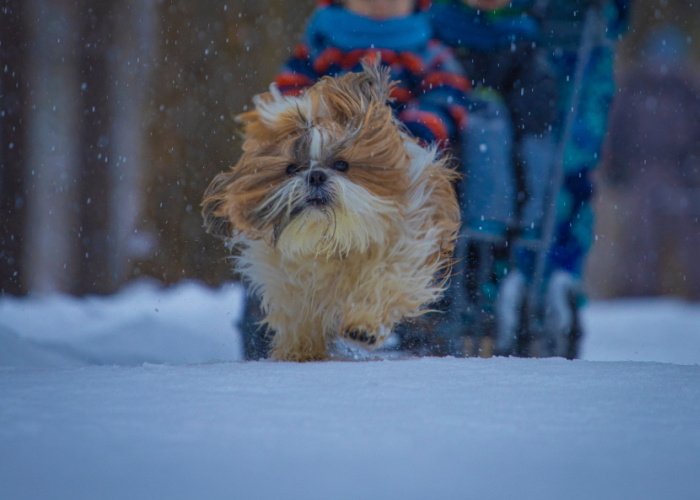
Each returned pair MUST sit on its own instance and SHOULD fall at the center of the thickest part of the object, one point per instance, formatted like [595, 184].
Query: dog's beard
[332, 220]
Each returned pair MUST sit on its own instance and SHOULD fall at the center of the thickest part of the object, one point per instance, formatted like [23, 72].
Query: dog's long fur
[369, 247]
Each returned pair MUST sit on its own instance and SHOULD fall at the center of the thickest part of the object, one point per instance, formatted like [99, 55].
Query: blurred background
[116, 115]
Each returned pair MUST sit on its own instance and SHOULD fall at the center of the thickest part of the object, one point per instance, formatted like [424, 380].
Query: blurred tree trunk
[52, 145]
[96, 96]
[13, 52]
[131, 62]
[83, 196]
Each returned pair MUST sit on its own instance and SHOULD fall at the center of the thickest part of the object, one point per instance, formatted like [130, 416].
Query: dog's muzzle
[318, 193]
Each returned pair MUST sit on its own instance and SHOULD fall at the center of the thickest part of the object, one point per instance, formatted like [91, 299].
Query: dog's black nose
[317, 177]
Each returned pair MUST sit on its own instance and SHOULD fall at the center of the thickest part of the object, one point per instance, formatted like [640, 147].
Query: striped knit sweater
[430, 97]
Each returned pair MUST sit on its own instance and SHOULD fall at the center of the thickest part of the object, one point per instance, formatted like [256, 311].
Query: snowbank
[664, 330]
[191, 323]
[143, 323]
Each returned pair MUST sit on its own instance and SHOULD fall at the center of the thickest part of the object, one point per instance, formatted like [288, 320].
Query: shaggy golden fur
[346, 223]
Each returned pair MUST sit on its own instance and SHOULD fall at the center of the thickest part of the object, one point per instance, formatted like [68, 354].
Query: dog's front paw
[360, 335]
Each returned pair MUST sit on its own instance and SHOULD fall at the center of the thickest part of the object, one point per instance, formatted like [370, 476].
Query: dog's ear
[249, 119]
[253, 125]
[217, 219]
[271, 114]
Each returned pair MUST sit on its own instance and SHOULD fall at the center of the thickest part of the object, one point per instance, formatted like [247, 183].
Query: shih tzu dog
[346, 223]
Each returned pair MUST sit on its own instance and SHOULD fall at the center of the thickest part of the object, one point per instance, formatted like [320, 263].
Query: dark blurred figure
[652, 163]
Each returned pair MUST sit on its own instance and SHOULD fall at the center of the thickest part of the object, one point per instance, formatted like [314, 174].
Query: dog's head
[323, 172]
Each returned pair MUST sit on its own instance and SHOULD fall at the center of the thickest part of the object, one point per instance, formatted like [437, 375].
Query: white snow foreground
[193, 428]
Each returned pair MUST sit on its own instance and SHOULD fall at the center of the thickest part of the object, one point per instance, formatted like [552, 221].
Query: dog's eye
[292, 169]
[340, 165]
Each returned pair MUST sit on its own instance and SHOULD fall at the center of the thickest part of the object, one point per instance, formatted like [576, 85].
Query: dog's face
[321, 173]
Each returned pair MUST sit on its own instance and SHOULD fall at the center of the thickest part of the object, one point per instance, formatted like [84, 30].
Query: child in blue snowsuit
[429, 98]
[563, 27]
[559, 37]
[562, 31]
[478, 36]
[508, 146]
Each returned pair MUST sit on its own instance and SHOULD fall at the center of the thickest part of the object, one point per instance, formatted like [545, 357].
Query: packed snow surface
[140, 395]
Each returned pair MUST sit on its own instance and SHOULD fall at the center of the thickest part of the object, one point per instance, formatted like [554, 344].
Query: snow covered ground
[139, 396]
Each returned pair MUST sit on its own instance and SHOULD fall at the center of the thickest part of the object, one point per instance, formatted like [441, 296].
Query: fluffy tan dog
[347, 224]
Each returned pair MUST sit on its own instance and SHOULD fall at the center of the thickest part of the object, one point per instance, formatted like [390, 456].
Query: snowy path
[431, 428]
[423, 428]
